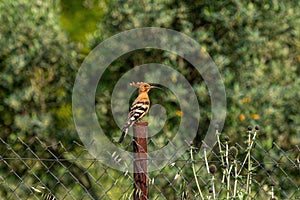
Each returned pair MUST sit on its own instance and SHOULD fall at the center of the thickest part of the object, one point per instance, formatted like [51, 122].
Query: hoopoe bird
[139, 107]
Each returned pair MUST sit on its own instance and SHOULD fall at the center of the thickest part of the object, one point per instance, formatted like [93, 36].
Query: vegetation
[232, 184]
[255, 44]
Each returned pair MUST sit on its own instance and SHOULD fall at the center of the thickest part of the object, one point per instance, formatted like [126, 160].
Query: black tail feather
[124, 133]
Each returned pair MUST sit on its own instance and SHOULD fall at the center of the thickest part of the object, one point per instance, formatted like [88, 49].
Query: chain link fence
[68, 171]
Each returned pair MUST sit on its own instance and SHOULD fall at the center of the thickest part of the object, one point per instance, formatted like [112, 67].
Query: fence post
[140, 131]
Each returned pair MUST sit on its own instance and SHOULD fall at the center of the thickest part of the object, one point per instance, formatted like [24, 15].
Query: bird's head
[143, 87]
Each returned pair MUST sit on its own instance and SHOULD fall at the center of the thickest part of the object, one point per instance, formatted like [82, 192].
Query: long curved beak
[152, 86]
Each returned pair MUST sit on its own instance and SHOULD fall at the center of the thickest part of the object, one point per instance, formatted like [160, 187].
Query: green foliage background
[255, 44]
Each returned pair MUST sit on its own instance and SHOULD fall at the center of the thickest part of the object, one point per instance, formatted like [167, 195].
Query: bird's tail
[124, 133]
[43, 194]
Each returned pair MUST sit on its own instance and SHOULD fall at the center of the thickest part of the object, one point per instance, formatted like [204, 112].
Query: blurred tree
[37, 69]
[38, 66]
[255, 44]
[80, 17]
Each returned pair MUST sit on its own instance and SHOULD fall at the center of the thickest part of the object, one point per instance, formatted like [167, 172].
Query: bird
[139, 107]
[45, 195]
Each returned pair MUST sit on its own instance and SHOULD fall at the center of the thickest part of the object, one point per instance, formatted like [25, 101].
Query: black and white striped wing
[136, 112]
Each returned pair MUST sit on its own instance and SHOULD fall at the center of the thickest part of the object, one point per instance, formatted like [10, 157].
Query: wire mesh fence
[68, 171]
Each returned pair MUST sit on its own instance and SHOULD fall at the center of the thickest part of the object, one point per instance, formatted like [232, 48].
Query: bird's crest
[137, 84]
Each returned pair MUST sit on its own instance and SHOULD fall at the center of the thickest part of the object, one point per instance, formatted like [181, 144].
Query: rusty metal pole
[140, 131]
